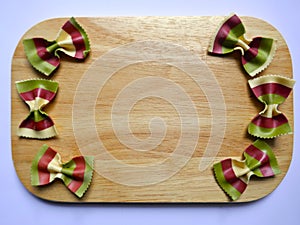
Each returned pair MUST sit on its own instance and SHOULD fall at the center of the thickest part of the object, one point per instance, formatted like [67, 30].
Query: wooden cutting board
[153, 107]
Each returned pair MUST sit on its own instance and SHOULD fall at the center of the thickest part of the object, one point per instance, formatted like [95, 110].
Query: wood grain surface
[141, 132]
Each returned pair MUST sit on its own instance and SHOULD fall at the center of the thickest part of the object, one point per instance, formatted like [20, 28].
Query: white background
[18, 206]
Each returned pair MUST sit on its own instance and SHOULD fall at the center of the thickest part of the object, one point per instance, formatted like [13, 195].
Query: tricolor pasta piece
[37, 93]
[233, 175]
[271, 90]
[256, 54]
[75, 174]
[44, 55]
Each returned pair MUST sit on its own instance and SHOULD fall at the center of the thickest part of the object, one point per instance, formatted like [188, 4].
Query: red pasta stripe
[44, 175]
[38, 126]
[37, 92]
[224, 31]
[266, 170]
[273, 122]
[78, 174]
[271, 88]
[230, 176]
[77, 39]
[41, 50]
[257, 154]
[263, 158]
[252, 52]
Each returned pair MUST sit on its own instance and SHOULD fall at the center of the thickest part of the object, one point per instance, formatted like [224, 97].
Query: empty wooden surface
[190, 183]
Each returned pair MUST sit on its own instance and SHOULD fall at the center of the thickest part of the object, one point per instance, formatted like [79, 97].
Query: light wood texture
[189, 184]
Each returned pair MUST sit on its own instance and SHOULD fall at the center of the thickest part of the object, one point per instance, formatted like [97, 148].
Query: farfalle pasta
[75, 174]
[44, 55]
[256, 53]
[233, 175]
[37, 93]
[271, 90]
